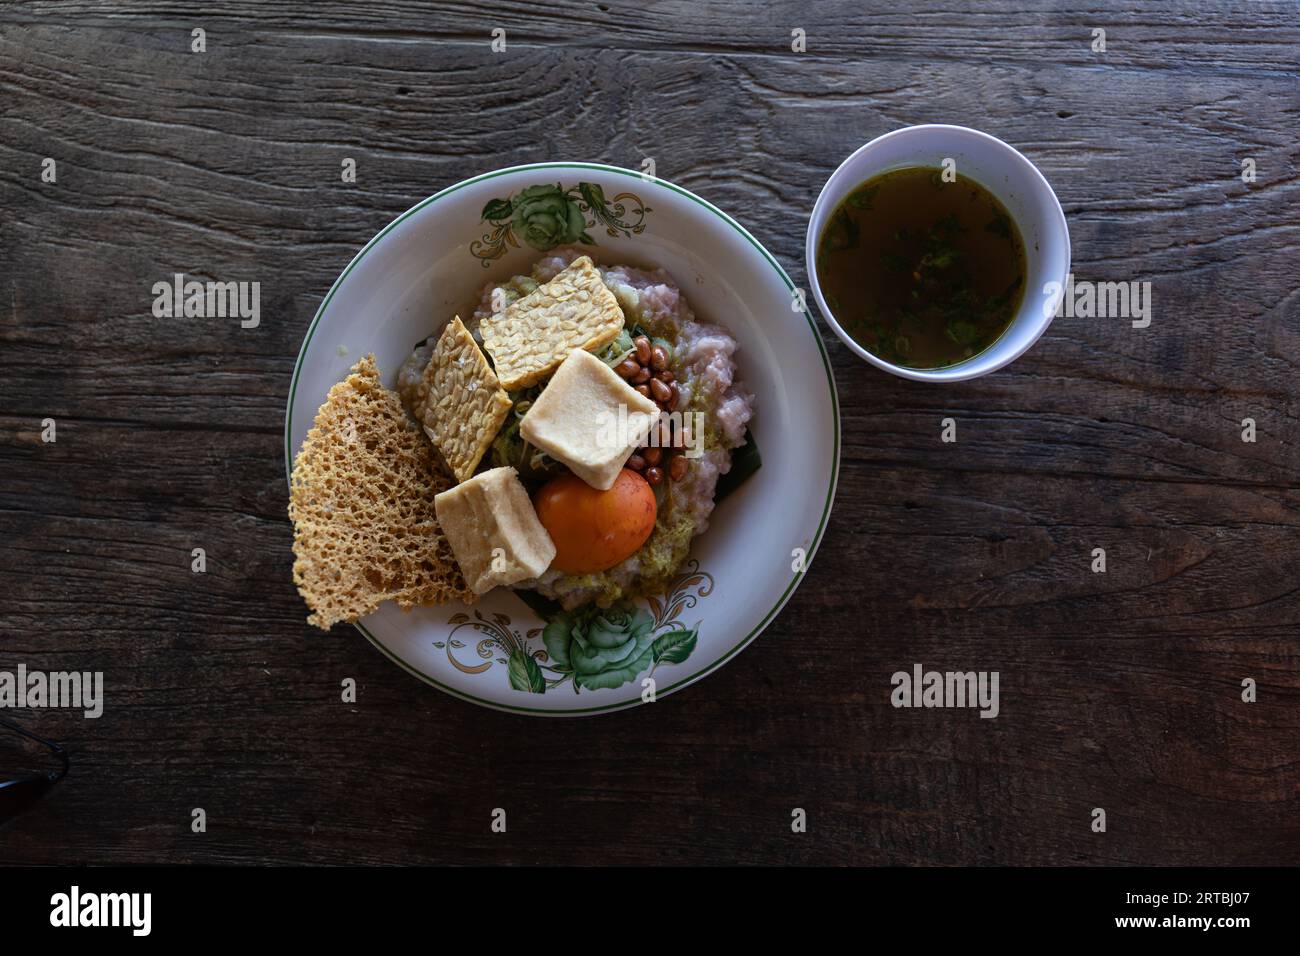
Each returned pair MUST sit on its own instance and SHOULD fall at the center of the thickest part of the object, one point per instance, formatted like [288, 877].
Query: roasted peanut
[659, 391]
[658, 358]
[677, 467]
[627, 368]
[652, 455]
[653, 476]
[642, 345]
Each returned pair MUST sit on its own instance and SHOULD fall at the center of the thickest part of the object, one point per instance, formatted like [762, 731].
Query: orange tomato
[594, 530]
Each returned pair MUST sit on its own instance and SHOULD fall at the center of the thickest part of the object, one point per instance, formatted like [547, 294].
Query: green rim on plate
[826, 365]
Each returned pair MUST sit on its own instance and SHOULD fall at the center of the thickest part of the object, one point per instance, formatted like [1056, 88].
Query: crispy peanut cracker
[362, 502]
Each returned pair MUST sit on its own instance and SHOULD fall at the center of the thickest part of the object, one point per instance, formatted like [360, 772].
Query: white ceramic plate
[433, 260]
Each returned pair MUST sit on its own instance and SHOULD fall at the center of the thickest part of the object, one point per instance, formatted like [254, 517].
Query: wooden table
[1119, 690]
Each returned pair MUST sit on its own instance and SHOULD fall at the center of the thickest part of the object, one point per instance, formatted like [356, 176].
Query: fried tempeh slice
[529, 340]
[459, 400]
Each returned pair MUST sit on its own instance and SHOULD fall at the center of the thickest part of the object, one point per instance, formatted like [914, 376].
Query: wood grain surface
[1119, 690]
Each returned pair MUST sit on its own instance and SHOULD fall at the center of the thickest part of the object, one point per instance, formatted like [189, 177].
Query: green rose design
[601, 648]
[544, 218]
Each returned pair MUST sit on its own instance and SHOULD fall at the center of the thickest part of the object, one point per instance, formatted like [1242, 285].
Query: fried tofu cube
[459, 400]
[493, 530]
[533, 335]
[589, 419]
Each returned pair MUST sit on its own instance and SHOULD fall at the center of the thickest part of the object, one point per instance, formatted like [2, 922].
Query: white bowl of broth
[938, 253]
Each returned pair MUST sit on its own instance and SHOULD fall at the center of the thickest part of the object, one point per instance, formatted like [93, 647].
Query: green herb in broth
[921, 272]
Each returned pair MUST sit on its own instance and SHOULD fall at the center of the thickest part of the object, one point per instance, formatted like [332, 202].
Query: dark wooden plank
[1119, 690]
[1183, 36]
